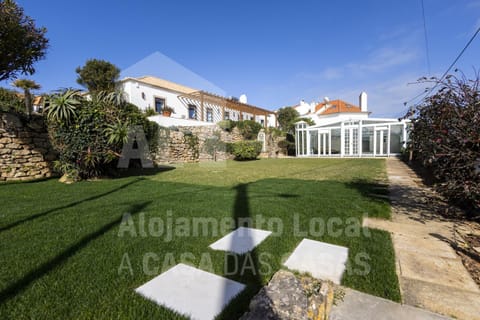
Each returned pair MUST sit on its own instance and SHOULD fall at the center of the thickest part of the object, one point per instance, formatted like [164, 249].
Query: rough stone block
[13, 146]
[288, 297]
[22, 152]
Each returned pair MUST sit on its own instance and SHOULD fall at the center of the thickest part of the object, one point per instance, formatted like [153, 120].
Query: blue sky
[277, 52]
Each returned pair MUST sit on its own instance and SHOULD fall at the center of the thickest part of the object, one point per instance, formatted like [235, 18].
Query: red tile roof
[337, 106]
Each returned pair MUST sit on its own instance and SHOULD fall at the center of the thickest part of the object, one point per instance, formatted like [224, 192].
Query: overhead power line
[427, 51]
[428, 92]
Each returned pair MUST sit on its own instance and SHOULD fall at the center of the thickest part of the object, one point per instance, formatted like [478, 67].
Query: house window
[192, 111]
[262, 121]
[159, 104]
[143, 95]
[209, 115]
[227, 115]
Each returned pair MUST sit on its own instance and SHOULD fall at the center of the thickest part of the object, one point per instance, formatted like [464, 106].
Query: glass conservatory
[351, 138]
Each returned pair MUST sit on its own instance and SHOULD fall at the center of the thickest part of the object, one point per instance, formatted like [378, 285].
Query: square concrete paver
[322, 260]
[241, 240]
[190, 291]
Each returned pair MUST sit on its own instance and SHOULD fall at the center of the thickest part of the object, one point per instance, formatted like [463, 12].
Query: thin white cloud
[379, 61]
[473, 4]
[332, 73]
[385, 98]
[396, 33]
[395, 48]
[383, 59]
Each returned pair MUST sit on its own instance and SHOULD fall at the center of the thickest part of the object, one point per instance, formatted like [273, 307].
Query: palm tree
[27, 85]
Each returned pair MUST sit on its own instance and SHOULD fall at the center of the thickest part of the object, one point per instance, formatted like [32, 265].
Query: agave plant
[62, 107]
[117, 132]
[114, 98]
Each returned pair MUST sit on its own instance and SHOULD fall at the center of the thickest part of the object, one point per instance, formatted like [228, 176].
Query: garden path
[430, 273]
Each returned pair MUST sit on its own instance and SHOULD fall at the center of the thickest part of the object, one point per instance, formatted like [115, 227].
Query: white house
[345, 130]
[191, 107]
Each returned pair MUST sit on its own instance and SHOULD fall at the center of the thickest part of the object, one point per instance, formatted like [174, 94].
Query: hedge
[245, 150]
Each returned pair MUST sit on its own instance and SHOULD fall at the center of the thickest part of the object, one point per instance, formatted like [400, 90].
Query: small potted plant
[167, 111]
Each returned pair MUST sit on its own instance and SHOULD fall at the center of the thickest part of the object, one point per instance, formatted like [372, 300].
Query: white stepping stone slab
[322, 260]
[192, 292]
[241, 240]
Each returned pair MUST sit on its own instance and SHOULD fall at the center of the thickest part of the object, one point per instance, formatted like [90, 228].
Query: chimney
[363, 101]
[243, 98]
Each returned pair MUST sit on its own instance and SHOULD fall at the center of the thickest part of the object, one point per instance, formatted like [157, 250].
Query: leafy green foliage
[21, 42]
[446, 140]
[150, 112]
[309, 121]
[275, 132]
[214, 144]
[89, 134]
[191, 140]
[9, 100]
[98, 75]
[245, 150]
[227, 125]
[117, 132]
[288, 145]
[287, 117]
[249, 129]
[61, 107]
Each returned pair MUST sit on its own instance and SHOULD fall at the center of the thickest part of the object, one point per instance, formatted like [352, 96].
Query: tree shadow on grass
[375, 191]
[70, 205]
[17, 287]
[243, 268]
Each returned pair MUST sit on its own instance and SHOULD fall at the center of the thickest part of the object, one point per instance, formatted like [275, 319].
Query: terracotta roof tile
[337, 106]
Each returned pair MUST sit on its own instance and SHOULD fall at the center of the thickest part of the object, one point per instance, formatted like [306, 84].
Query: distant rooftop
[336, 106]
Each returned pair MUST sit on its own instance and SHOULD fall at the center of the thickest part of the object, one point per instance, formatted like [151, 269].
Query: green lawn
[61, 248]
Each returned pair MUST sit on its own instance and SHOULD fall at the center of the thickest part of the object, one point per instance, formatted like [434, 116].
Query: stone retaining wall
[194, 144]
[199, 144]
[25, 149]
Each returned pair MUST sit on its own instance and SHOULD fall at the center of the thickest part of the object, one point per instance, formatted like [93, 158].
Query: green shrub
[275, 132]
[227, 125]
[9, 100]
[150, 112]
[245, 150]
[287, 147]
[91, 141]
[192, 141]
[214, 144]
[249, 129]
[445, 139]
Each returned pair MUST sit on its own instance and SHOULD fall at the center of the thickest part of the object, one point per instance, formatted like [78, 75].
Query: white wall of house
[344, 116]
[143, 95]
[169, 121]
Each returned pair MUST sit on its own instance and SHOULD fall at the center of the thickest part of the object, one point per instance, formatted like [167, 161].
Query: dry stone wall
[201, 143]
[25, 149]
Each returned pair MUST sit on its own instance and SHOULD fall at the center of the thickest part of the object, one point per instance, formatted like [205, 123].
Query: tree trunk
[28, 102]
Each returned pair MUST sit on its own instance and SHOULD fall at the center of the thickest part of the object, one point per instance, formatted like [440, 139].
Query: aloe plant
[62, 107]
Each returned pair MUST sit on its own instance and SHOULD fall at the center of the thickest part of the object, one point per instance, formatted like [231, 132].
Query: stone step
[461, 304]
[356, 305]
